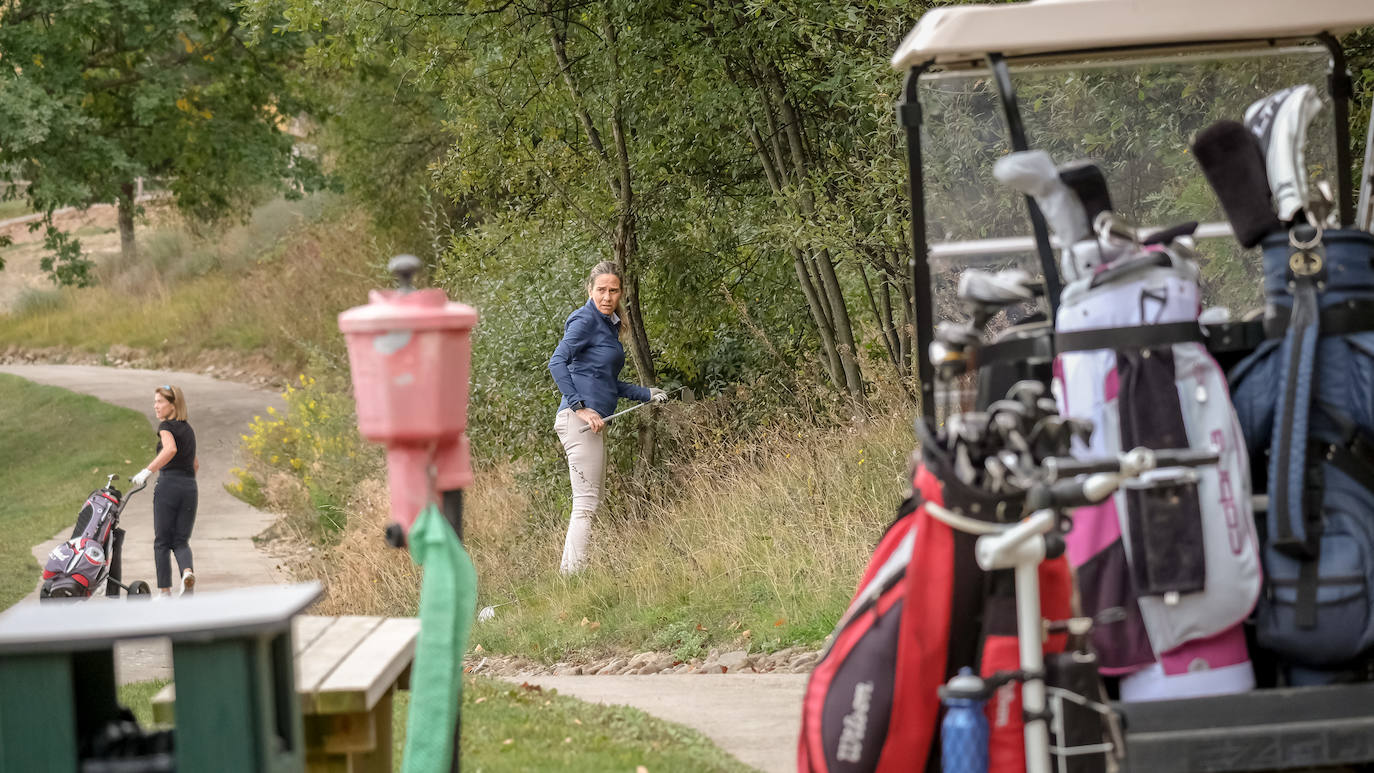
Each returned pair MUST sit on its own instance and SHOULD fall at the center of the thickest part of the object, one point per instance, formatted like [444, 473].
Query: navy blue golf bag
[1306, 399]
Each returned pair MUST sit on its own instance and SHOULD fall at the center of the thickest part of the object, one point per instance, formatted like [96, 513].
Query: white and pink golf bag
[1175, 565]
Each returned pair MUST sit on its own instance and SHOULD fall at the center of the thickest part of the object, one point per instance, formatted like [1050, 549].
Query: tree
[96, 94]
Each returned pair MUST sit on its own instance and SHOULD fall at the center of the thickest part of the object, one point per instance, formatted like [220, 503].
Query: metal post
[1017, 133]
[453, 510]
[909, 113]
[453, 513]
[1029, 625]
[1338, 84]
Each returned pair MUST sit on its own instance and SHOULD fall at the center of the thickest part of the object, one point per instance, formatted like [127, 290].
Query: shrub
[33, 300]
[315, 440]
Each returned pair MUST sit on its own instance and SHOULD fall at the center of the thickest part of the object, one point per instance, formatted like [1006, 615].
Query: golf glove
[658, 395]
[141, 477]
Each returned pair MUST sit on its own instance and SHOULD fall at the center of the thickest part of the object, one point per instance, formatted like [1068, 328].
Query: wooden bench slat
[306, 629]
[370, 669]
[343, 665]
[316, 662]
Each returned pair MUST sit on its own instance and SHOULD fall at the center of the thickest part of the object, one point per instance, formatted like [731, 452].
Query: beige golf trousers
[587, 470]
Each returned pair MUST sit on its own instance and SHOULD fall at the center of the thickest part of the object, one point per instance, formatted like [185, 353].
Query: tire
[140, 589]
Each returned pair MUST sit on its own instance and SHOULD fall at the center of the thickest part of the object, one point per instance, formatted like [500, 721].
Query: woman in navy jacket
[586, 366]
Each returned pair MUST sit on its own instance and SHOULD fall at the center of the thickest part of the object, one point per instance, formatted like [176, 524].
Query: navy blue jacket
[586, 365]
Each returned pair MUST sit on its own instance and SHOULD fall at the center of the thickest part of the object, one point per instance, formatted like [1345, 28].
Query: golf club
[489, 612]
[1027, 393]
[1089, 185]
[687, 397]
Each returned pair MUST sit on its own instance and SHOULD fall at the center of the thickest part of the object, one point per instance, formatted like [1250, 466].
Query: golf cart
[1129, 85]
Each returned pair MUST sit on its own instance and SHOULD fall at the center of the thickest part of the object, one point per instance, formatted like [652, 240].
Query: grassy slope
[509, 728]
[271, 287]
[58, 446]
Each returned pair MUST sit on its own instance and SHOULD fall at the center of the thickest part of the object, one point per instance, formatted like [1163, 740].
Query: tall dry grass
[365, 576]
[760, 549]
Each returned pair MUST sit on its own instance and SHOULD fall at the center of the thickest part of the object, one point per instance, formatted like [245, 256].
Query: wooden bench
[346, 671]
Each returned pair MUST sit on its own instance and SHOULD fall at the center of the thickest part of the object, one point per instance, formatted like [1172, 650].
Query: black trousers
[174, 515]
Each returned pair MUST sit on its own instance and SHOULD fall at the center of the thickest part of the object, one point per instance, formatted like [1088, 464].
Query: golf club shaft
[1364, 211]
[631, 409]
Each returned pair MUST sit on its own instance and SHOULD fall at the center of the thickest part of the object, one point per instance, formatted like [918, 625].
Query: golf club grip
[1071, 492]
[1185, 457]
[1233, 163]
[1169, 457]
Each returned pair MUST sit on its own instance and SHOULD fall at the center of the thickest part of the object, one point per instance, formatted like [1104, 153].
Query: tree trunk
[881, 316]
[128, 202]
[844, 330]
[818, 315]
[830, 283]
[627, 252]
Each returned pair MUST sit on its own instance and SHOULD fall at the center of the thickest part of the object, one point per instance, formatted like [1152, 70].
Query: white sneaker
[188, 582]
[162, 596]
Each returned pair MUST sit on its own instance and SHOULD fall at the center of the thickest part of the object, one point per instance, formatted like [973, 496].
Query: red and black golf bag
[77, 567]
[923, 610]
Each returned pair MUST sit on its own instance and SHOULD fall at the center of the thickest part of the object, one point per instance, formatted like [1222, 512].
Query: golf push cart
[1137, 108]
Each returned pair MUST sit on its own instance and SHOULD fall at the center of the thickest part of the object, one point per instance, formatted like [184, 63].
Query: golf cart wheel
[139, 588]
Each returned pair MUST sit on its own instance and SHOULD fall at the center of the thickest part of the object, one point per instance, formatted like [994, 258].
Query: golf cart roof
[962, 36]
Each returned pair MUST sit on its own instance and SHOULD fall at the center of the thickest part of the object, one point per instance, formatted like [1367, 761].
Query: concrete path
[225, 556]
[752, 716]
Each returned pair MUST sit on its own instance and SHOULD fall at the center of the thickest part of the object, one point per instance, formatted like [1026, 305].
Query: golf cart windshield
[1135, 119]
[1121, 83]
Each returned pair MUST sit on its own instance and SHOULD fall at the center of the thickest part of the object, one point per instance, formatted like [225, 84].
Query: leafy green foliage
[95, 95]
[65, 263]
[497, 109]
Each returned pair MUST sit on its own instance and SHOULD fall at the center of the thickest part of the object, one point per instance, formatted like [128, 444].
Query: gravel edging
[792, 660]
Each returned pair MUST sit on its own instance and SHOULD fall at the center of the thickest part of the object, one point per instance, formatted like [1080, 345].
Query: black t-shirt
[185, 437]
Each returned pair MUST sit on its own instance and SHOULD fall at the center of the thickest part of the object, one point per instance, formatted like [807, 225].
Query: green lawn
[13, 208]
[511, 728]
[57, 447]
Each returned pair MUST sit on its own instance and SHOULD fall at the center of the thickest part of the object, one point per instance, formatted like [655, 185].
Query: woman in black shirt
[174, 498]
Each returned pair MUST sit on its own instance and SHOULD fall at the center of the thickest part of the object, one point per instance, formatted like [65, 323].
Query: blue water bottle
[964, 731]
